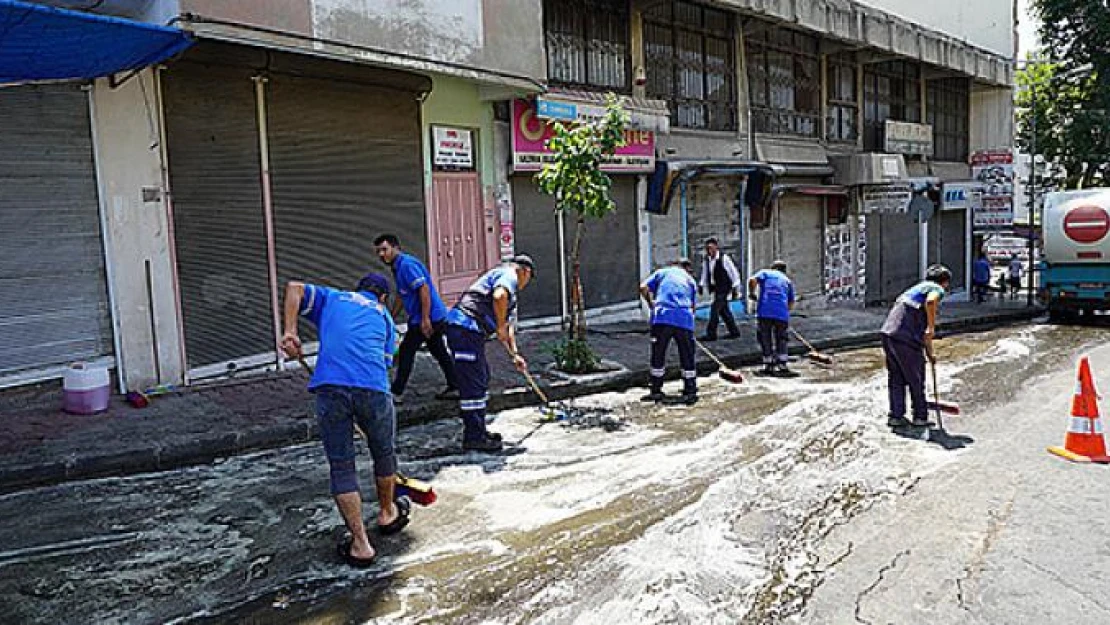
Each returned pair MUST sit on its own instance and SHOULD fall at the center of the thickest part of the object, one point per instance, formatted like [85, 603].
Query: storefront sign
[505, 213]
[907, 138]
[886, 198]
[568, 110]
[531, 134]
[452, 147]
[956, 196]
[994, 170]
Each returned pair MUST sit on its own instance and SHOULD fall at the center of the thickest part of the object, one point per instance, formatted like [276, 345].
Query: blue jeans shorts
[339, 409]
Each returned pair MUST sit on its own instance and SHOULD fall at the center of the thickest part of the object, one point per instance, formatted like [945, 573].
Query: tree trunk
[577, 330]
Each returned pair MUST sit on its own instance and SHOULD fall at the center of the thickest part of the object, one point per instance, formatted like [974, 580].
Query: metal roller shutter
[947, 244]
[892, 258]
[801, 239]
[52, 278]
[536, 233]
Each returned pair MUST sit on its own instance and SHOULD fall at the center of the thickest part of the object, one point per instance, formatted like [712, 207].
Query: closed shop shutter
[536, 233]
[52, 278]
[713, 214]
[893, 249]
[947, 244]
[802, 243]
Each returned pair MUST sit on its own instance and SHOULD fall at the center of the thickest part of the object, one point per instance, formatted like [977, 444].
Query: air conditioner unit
[868, 168]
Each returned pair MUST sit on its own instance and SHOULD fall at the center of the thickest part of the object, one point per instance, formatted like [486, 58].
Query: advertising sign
[453, 148]
[885, 198]
[961, 196]
[994, 170]
[908, 138]
[530, 151]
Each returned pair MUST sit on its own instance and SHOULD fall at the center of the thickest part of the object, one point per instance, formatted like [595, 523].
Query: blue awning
[40, 43]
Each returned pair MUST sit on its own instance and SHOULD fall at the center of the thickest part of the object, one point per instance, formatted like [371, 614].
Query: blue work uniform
[410, 275]
[469, 324]
[351, 380]
[672, 317]
[903, 335]
[981, 278]
[776, 295]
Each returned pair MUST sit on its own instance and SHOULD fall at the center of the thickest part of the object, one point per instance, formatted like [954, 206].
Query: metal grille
[947, 105]
[843, 101]
[691, 64]
[891, 90]
[784, 80]
[587, 43]
[51, 255]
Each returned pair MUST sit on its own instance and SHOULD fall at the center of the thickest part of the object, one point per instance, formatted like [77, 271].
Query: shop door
[893, 251]
[458, 230]
[947, 244]
[802, 243]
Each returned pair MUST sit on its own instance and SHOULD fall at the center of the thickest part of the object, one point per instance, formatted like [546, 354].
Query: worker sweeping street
[351, 384]
[427, 317]
[487, 307]
[907, 338]
[773, 291]
[671, 295]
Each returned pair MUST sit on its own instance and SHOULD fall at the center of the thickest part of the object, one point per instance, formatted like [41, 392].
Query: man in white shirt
[719, 275]
[1016, 269]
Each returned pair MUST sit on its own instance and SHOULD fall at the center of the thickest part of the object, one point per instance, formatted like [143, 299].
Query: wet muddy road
[717, 513]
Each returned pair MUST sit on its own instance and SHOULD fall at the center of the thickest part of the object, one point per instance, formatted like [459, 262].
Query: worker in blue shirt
[774, 292]
[671, 295]
[907, 337]
[981, 278]
[487, 307]
[351, 384]
[426, 314]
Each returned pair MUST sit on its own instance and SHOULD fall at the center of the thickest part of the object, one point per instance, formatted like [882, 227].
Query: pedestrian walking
[1016, 269]
[907, 336]
[720, 277]
[981, 278]
[426, 314]
[773, 291]
[671, 295]
[488, 307]
[351, 384]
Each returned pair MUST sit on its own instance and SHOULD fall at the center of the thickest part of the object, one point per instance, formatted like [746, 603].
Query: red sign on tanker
[1087, 224]
[530, 151]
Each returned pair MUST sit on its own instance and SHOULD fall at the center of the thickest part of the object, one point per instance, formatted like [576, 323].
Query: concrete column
[138, 232]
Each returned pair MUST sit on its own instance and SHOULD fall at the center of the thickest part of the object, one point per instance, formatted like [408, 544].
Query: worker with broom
[907, 338]
[671, 295]
[773, 291]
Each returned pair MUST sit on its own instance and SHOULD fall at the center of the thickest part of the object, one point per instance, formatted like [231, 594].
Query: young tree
[579, 186]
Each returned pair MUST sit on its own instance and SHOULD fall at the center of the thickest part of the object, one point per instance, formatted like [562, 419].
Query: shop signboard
[994, 170]
[908, 138]
[531, 134]
[453, 148]
[885, 198]
[957, 196]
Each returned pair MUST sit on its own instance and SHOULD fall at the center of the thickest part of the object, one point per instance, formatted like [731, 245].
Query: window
[587, 43]
[784, 82]
[891, 90]
[948, 109]
[843, 101]
[690, 63]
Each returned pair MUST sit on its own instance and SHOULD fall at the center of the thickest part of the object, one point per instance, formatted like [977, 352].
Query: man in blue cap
[672, 296]
[488, 307]
[351, 384]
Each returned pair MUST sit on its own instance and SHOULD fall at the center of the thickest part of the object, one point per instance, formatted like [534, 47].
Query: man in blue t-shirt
[671, 295]
[487, 307]
[774, 292]
[907, 340]
[426, 314]
[981, 278]
[351, 384]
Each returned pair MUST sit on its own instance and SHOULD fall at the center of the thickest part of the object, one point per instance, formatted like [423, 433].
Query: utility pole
[1032, 201]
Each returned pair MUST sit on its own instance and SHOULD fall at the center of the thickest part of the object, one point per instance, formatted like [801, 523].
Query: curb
[207, 449]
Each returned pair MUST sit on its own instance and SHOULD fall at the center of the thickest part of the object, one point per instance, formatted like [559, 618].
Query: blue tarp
[40, 43]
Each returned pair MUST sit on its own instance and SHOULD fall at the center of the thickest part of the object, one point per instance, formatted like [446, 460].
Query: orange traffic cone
[1084, 441]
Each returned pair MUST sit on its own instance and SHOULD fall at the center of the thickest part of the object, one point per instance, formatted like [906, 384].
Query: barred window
[891, 90]
[947, 105]
[691, 64]
[784, 82]
[842, 100]
[587, 43]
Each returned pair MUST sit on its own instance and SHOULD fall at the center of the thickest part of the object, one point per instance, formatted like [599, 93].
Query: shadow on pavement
[935, 435]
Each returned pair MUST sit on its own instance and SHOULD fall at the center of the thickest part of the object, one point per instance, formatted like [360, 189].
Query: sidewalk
[39, 444]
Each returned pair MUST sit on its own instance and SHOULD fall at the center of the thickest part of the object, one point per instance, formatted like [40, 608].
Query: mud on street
[718, 513]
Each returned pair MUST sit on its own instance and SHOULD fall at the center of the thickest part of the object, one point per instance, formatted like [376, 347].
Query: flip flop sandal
[404, 508]
[344, 549]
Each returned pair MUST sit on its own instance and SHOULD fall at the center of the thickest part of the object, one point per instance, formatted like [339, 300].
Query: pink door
[457, 230]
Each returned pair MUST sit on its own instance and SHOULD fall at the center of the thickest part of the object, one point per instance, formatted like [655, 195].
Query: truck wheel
[1058, 315]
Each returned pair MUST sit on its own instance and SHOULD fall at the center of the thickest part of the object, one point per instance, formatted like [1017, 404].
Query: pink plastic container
[85, 390]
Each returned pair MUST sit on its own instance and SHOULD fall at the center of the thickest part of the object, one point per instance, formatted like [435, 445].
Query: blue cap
[374, 282]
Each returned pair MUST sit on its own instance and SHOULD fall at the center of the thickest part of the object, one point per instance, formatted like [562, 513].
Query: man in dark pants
[719, 275]
[426, 316]
[907, 333]
[981, 278]
[671, 294]
[774, 293]
[488, 306]
[351, 384]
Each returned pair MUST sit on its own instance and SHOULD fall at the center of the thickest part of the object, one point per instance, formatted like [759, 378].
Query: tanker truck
[1075, 270]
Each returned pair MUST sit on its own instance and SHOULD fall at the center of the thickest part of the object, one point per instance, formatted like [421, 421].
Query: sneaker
[897, 422]
[689, 399]
[448, 393]
[653, 397]
[920, 422]
[494, 436]
[784, 372]
[486, 445]
[766, 370]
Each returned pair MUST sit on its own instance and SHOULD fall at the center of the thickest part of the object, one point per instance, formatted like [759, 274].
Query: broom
[813, 354]
[729, 375]
[939, 406]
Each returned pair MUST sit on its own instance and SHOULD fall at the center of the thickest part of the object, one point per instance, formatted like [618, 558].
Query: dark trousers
[772, 334]
[720, 310]
[472, 375]
[905, 367]
[406, 355]
[979, 291]
[661, 336]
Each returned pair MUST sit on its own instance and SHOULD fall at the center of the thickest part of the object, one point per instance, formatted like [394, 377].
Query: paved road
[774, 501]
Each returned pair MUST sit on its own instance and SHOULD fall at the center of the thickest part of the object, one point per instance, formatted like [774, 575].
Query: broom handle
[936, 396]
[710, 354]
[304, 365]
[531, 381]
[798, 335]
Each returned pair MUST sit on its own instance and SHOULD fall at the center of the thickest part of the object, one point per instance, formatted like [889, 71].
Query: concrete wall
[992, 118]
[128, 150]
[988, 24]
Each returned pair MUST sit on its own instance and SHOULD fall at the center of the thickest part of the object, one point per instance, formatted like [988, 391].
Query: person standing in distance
[351, 384]
[488, 307]
[427, 316]
[671, 295]
[774, 292]
[719, 275]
